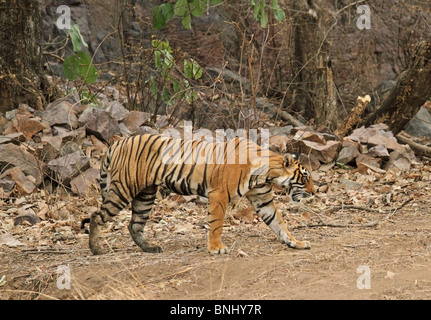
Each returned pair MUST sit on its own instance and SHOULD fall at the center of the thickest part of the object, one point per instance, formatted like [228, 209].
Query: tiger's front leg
[262, 200]
[217, 203]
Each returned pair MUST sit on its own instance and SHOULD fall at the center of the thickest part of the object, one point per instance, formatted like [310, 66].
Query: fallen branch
[290, 119]
[419, 149]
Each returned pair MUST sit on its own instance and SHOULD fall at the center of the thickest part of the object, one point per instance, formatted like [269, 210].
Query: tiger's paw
[154, 249]
[96, 250]
[220, 250]
[301, 245]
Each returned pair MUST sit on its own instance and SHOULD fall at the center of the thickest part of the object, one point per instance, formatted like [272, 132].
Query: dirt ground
[370, 238]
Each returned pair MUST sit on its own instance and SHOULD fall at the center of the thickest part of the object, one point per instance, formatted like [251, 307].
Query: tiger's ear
[290, 158]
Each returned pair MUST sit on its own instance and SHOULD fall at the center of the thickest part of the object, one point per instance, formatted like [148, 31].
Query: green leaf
[188, 69]
[279, 14]
[177, 86]
[216, 2]
[162, 14]
[180, 8]
[159, 20]
[161, 45]
[197, 7]
[167, 97]
[153, 87]
[264, 19]
[256, 12]
[87, 71]
[192, 69]
[186, 21]
[79, 66]
[157, 59]
[274, 5]
[167, 10]
[70, 67]
[76, 37]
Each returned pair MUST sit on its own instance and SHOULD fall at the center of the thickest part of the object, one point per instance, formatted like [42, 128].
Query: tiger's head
[292, 176]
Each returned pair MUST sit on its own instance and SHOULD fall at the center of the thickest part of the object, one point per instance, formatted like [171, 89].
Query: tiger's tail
[106, 161]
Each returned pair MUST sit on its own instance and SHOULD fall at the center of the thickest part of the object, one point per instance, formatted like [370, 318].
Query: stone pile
[62, 145]
[373, 148]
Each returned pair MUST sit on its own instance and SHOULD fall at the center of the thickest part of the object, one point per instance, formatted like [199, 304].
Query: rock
[69, 166]
[69, 147]
[420, 124]
[124, 130]
[398, 160]
[98, 145]
[369, 160]
[384, 139]
[51, 148]
[7, 184]
[30, 218]
[325, 153]
[362, 134]
[280, 131]
[162, 121]
[28, 126]
[117, 111]
[309, 161]
[146, 129]
[23, 185]
[376, 135]
[365, 168]
[76, 136]
[60, 112]
[278, 144]
[134, 119]
[9, 240]
[81, 185]
[348, 154]
[15, 138]
[379, 152]
[101, 124]
[12, 155]
[3, 122]
[310, 136]
[349, 184]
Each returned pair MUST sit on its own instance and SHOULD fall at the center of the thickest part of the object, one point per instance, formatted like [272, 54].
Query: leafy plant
[260, 14]
[185, 9]
[174, 89]
[79, 66]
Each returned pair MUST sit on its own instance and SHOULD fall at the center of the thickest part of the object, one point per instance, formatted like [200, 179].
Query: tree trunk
[314, 91]
[22, 77]
[411, 90]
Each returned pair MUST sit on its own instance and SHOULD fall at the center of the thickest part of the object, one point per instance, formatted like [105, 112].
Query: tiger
[222, 172]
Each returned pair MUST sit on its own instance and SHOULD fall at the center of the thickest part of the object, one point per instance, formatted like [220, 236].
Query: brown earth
[381, 222]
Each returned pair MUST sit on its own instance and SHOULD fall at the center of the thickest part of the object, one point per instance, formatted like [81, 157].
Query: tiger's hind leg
[111, 206]
[141, 209]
